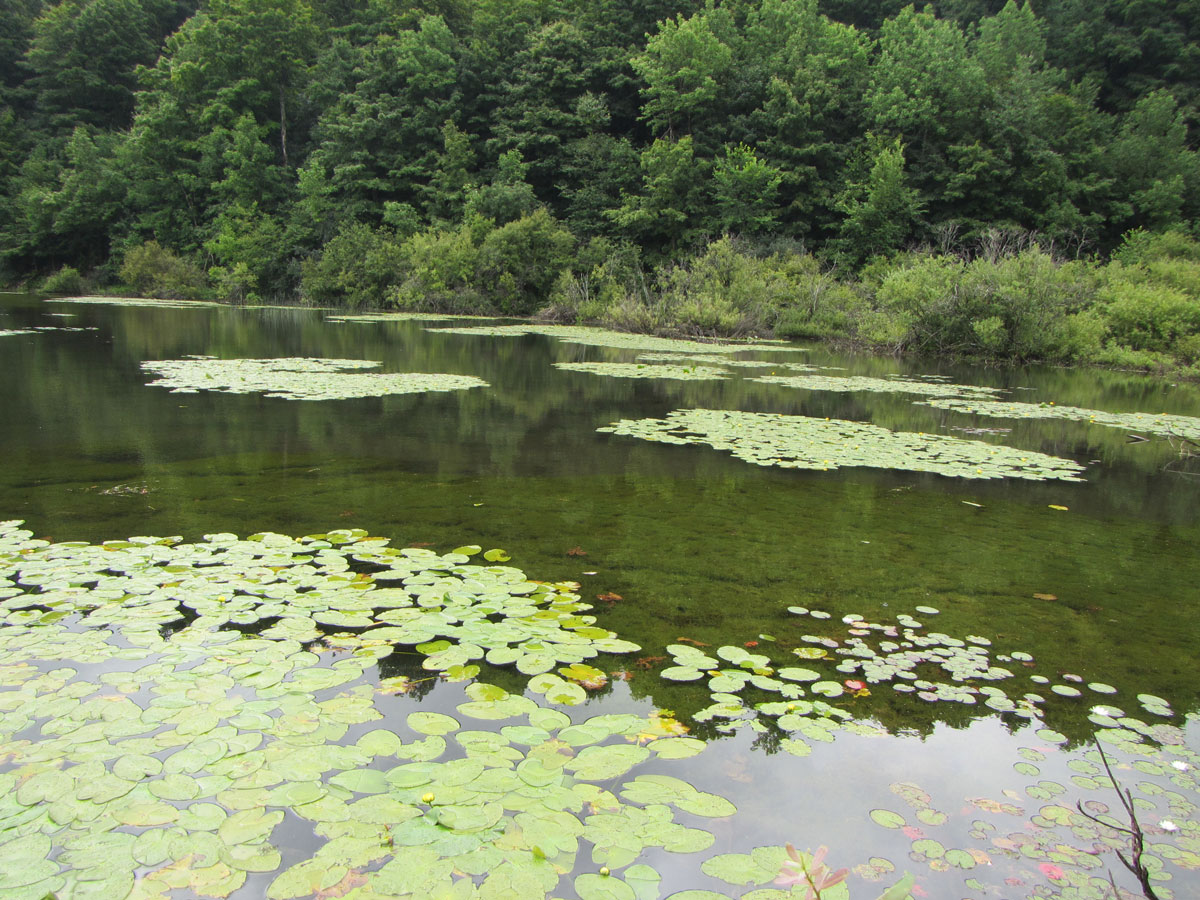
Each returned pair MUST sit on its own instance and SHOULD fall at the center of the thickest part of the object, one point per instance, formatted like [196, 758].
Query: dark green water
[697, 544]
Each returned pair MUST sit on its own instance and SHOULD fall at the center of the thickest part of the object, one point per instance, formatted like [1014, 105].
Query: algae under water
[902, 667]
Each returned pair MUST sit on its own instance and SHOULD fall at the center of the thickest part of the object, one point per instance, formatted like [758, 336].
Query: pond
[296, 603]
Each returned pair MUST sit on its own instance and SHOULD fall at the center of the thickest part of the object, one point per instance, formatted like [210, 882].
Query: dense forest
[998, 179]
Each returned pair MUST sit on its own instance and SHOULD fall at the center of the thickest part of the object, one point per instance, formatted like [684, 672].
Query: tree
[684, 66]
[744, 192]
[383, 141]
[508, 196]
[928, 90]
[666, 215]
[83, 57]
[880, 211]
[1151, 163]
[231, 77]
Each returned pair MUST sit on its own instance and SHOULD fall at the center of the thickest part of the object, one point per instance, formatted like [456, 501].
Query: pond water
[895, 646]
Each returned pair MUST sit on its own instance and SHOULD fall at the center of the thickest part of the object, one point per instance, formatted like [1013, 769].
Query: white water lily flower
[1168, 825]
[1180, 765]
[1102, 711]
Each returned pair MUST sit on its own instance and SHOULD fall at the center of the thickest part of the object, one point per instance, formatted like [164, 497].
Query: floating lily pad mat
[1153, 423]
[718, 360]
[6, 332]
[400, 317]
[598, 337]
[638, 370]
[880, 385]
[139, 301]
[802, 442]
[297, 379]
[154, 747]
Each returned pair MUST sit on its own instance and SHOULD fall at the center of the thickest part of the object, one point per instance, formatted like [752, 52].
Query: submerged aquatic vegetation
[638, 370]
[1151, 423]
[297, 378]
[802, 442]
[933, 388]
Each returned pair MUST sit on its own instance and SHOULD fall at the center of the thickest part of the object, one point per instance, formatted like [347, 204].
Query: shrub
[1015, 307]
[153, 270]
[520, 262]
[1141, 247]
[65, 281]
[439, 272]
[359, 266]
[1143, 315]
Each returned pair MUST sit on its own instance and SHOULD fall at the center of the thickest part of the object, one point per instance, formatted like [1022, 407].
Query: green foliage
[452, 156]
[477, 268]
[439, 270]
[1147, 314]
[745, 189]
[1014, 307]
[358, 267]
[880, 211]
[65, 281]
[155, 271]
[520, 262]
[684, 67]
[508, 197]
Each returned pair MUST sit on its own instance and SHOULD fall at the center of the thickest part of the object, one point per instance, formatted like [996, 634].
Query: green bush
[519, 262]
[439, 271]
[604, 276]
[65, 281]
[1141, 247]
[359, 266]
[1143, 315]
[1014, 307]
[153, 270]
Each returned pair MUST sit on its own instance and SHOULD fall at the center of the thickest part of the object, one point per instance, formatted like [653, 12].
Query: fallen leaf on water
[1056, 506]
[346, 885]
[1044, 597]
[609, 597]
[576, 551]
[692, 641]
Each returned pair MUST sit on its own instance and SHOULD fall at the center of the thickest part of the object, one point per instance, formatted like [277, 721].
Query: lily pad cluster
[1057, 840]
[149, 748]
[297, 378]
[639, 370]
[1051, 848]
[141, 301]
[396, 317]
[803, 442]
[598, 337]
[304, 589]
[717, 360]
[929, 665]
[933, 388]
[1151, 423]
